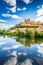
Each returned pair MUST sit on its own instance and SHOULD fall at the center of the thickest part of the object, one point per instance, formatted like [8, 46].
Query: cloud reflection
[14, 53]
[40, 49]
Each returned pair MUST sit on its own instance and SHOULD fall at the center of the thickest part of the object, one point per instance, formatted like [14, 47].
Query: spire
[29, 19]
[25, 20]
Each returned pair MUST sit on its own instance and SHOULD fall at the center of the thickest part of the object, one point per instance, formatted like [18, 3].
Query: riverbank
[26, 33]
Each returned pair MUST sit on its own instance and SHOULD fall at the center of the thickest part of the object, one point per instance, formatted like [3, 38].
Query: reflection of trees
[39, 40]
[28, 41]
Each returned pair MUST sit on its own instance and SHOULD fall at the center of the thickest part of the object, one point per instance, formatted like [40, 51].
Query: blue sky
[15, 11]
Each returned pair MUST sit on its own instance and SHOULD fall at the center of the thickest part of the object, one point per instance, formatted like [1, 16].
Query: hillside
[27, 24]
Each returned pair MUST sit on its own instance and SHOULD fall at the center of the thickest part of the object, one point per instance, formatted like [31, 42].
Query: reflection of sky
[14, 53]
[40, 49]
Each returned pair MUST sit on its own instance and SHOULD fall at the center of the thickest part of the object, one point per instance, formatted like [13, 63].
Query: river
[21, 51]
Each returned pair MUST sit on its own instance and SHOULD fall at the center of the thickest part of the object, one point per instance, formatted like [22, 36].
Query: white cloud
[39, 16]
[3, 39]
[12, 3]
[40, 12]
[12, 61]
[5, 26]
[24, 8]
[27, 1]
[6, 15]
[20, 53]
[16, 16]
[27, 62]
[39, 19]
[19, 9]
[12, 16]
[13, 9]
[40, 49]
[1, 43]
[3, 21]
[14, 46]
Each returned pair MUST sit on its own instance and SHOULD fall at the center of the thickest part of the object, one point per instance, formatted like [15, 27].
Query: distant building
[39, 26]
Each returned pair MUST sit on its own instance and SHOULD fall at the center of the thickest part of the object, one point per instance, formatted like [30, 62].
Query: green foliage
[19, 33]
[19, 26]
[38, 34]
[27, 33]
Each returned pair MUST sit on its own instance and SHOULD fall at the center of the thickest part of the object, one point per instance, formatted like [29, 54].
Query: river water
[21, 51]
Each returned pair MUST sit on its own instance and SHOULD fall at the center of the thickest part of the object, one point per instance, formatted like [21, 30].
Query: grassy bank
[26, 33]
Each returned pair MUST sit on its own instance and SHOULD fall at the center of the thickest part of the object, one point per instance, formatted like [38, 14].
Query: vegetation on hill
[25, 29]
[26, 24]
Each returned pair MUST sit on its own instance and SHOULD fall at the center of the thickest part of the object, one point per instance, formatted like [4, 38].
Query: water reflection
[28, 41]
[21, 51]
